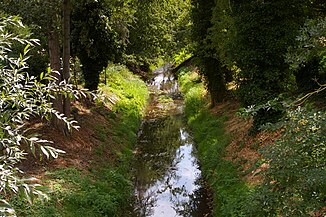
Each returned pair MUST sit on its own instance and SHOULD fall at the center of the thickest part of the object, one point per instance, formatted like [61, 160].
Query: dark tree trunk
[66, 52]
[91, 73]
[54, 53]
[214, 75]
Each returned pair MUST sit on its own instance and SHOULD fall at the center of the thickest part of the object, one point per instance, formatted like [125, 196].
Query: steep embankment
[93, 177]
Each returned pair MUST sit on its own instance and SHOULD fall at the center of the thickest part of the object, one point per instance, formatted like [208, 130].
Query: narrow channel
[168, 179]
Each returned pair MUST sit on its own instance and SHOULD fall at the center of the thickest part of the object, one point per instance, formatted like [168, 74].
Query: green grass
[103, 189]
[103, 192]
[230, 193]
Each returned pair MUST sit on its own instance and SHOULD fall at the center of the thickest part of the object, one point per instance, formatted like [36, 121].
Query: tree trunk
[214, 74]
[54, 53]
[66, 52]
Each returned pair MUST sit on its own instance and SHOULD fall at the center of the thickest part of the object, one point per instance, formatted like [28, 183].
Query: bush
[295, 183]
[103, 196]
[308, 57]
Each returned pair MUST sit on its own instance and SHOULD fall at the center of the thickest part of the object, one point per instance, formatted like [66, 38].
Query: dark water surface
[167, 176]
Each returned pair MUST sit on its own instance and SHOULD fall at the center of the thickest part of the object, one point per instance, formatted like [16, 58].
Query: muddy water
[167, 176]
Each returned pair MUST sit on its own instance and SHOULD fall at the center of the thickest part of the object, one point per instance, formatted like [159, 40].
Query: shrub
[308, 57]
[295, 182]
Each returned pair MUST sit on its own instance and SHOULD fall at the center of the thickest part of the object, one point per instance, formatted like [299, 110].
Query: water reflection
[167, 177]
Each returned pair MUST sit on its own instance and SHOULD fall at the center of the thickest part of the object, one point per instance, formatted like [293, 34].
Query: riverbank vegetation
[93, 177]
[254, 94]
[212, 139]
[268, 56]
[277, 171]
[76, 40]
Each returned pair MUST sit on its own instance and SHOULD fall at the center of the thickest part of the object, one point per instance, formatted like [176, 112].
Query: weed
[255, 145]
[100, 149]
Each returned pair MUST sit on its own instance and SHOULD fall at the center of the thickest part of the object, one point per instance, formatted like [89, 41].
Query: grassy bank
[229, 191]
[93, 177]
[280, 171]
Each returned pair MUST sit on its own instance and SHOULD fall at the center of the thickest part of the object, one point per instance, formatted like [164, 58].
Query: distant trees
[107, 30]
[160, 29]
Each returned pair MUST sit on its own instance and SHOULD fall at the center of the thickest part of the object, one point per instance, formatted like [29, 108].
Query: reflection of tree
[145, 203]
[157, 145]
[198, 203]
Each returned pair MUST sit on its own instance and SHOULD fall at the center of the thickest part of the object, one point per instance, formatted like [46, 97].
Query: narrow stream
[167, 176]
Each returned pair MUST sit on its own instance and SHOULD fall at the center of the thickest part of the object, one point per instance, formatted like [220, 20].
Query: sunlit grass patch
[129, 91]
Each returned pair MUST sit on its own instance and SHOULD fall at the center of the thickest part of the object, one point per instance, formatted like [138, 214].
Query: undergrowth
[294, 184]
[103, 189]
[229, 191]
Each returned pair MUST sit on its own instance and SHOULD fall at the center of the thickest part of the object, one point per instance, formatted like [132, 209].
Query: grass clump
[130, 90]
[104, 192]
[229, 191]
[130, 96]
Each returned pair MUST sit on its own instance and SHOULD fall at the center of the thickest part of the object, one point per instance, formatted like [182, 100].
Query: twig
[301, 100]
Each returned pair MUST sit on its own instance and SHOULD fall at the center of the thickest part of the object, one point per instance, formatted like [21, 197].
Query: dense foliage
[273, 49]
[160, 30]
[211, 67]
[95, 41]
[294, 184]
[307, 58]
[263, 36]
[251, 40]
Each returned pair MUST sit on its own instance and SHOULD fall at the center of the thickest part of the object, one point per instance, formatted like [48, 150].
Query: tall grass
[229, 192]
[131, 94]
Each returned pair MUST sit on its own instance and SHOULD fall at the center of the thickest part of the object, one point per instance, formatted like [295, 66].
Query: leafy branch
[23, 97]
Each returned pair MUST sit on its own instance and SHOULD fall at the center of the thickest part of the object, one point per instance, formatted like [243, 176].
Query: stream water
[167, 176]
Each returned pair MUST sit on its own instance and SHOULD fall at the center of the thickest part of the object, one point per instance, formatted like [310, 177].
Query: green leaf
[45, 152]
[26, 49]
[41, 76]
